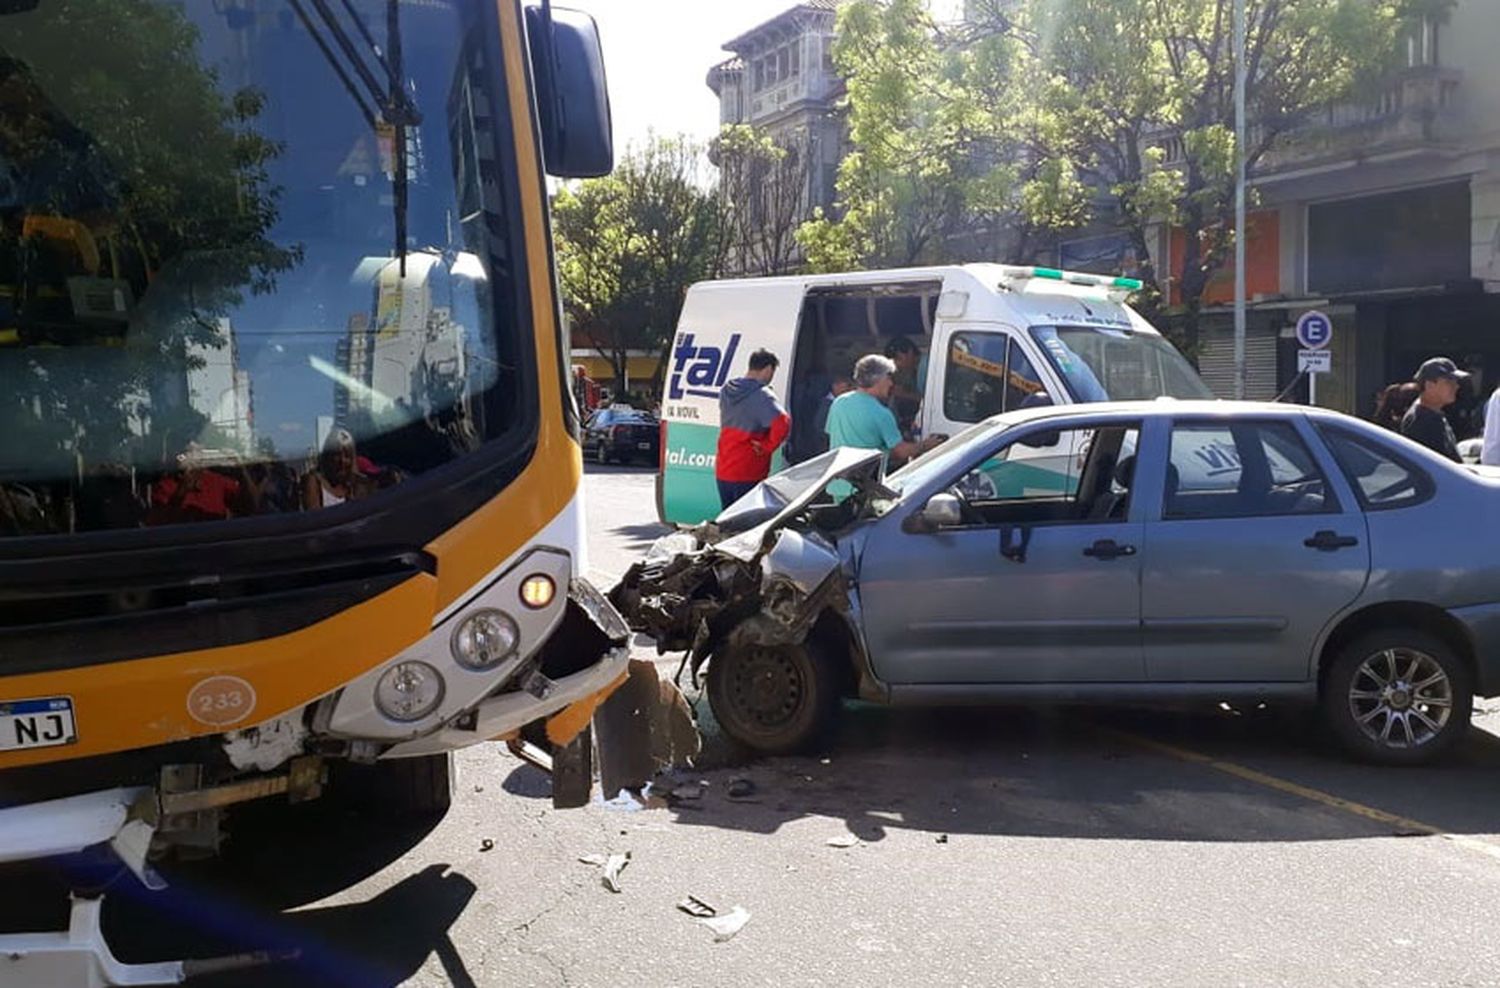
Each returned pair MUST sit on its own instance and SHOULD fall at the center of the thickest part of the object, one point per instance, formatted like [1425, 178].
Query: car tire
[773, 700]
[1398, 696]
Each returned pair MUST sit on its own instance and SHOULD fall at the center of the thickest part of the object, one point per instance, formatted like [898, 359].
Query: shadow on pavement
[281, 857]
[380, 942]
[638, 538]
[1086, 774]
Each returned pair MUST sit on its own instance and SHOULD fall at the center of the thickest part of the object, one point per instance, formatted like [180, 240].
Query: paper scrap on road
[727, 925]
[843, 840]
[597, 860]
[697, 908]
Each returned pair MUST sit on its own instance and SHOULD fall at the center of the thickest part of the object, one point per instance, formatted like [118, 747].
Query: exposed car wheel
[775, 700]
[1398, 697]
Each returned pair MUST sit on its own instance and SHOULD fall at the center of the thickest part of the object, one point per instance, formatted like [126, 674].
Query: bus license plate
[41, 723]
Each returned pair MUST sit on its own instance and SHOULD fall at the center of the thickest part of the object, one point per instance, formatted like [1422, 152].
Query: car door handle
[1109, 549]
[1330, 541]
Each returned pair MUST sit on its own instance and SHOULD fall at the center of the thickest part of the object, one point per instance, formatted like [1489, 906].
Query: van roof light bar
[1014, 277]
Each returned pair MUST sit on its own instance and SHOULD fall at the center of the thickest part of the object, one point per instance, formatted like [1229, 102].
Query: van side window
[1023, 384]
[987, 373]
[974, 376]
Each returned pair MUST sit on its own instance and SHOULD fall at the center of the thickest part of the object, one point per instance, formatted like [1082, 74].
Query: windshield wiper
[392, 105]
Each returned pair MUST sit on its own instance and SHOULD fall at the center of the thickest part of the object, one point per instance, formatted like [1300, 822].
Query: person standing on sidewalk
[1425, 423]
[752, 423]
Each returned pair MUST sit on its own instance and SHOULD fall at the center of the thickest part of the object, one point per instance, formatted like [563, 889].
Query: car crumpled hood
[764, 580]
[782, 496]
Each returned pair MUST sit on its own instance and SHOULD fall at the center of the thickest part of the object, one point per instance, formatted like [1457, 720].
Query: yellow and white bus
[289, 469]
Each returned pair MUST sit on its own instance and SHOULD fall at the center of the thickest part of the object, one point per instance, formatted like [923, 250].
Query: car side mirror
[941, 511]
[572, 99]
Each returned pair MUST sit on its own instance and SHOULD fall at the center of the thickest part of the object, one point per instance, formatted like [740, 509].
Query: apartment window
[759, 69]
[796, 56]
[1422, 43]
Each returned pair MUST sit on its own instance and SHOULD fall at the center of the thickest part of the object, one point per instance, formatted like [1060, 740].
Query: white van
[992, 337]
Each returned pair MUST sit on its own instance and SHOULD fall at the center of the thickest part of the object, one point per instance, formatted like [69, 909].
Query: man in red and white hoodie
[752, 424]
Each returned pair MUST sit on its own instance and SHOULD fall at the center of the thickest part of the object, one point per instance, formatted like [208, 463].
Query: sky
[657, 54]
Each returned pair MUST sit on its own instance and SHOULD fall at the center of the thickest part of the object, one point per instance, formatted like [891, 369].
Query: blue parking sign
[1314, 330]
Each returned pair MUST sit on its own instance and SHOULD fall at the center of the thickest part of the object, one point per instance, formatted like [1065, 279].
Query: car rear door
[1253, 545]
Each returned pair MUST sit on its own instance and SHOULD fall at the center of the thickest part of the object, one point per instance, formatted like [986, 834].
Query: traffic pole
[1239, 199]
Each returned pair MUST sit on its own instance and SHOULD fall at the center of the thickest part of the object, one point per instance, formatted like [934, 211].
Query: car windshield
[1109, 364]
[947, 457]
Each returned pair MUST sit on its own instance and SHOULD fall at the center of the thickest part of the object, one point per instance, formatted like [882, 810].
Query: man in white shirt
[1490, 453]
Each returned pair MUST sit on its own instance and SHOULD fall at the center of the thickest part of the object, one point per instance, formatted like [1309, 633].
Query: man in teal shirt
[863, 420]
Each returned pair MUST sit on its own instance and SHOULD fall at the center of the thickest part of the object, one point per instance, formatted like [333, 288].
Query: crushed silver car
[1117, 553]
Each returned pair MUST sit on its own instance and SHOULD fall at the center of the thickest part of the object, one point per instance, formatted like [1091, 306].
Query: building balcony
[1416, 112]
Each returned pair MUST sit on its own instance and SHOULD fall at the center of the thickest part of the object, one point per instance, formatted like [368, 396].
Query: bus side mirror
[572, 99]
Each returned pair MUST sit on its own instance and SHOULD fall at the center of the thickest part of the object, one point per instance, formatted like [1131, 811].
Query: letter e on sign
[1314, 330]
[220, 701]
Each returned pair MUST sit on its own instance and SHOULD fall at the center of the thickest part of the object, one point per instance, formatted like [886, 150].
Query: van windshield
[1109, 364]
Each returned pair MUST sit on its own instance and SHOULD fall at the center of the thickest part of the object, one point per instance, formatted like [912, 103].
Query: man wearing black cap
[1425, 422]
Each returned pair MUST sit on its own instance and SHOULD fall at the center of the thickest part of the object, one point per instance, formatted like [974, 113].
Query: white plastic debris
[727, 925]
[843, 840]
[612, 869]
[697, 908]
[597, 860]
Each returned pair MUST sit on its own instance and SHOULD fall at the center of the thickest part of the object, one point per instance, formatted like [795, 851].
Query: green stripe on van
[689, 494]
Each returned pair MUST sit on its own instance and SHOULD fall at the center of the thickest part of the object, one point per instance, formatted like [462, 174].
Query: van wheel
[774, 700]
[1398, 697]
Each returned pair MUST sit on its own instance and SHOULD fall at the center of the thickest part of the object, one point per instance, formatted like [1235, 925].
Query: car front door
[1252, 549]
[1038, 582]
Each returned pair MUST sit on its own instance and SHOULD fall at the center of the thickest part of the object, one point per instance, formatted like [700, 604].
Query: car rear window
[1382, 479]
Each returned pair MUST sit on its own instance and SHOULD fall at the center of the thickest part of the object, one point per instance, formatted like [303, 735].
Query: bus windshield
[1100, 364]
[248, 258]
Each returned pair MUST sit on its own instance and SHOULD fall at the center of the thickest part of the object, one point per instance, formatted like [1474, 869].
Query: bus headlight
[484, 639]
[537, 591]
[409, 691]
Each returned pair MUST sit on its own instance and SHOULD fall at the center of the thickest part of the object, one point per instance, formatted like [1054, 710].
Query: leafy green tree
[1146, 75]
[1042, 116]
[952, 156]
[629, 245]
[762, 198]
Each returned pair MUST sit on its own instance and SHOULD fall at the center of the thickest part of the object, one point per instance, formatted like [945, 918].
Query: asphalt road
[1197, 848]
